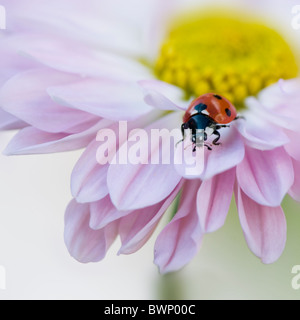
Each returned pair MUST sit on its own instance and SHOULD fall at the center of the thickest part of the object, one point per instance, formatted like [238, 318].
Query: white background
[34, 192]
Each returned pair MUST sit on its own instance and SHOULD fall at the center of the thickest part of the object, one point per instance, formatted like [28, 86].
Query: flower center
[221, 54]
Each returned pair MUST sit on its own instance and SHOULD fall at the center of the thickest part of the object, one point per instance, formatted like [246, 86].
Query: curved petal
[179, 241]
[88, 180]
[89, 177]
[54, 52]
[12, 62]
[261, 134]
[292, 148]
[9, 122]
[104, 212]
[25, 97]
[295, 189]
[213, 200]
[283, 116]
[154, 26]
[106, 98]
[221, 158]
[136, 228]
[85, 244]
[264, 228]
[266, 176]
[33, 141]
[89, 23]
[162, 95]
[133, 186]
[281, 93]
[225, 156]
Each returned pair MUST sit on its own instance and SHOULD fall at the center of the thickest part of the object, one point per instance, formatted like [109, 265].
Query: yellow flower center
[234, 58]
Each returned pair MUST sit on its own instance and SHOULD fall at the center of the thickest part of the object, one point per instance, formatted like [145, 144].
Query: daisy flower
[71, 69]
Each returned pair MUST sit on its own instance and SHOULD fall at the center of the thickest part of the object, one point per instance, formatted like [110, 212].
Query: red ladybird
[208, 111]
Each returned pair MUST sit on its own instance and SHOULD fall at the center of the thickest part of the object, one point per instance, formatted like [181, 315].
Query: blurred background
[34, 193]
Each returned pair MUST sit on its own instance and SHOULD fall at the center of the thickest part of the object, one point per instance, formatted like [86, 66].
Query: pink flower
[71, 81]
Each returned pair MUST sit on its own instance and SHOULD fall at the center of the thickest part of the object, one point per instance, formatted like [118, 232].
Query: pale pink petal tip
[85, 244]
[136, 228]
[264, 228]
[266, 176]
[180, 240]
[162, 95]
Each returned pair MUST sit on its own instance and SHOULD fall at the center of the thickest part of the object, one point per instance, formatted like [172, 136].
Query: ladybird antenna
[178, 142]
[239, 117]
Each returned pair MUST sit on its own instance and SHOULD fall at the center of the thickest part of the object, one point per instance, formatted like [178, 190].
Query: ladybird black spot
[217, 96]
[200, 107]
[228, 112]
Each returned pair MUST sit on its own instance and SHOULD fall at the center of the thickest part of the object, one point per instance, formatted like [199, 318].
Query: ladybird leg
[215, 142]
[182, 130]
[194, 139]
[219, 126]
[208, 147]
[183, 136]
[239, 117]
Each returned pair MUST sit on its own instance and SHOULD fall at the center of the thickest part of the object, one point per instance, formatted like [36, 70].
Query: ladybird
[209, 112]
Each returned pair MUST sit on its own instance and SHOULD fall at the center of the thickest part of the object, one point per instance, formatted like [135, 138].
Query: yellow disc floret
[214, 53]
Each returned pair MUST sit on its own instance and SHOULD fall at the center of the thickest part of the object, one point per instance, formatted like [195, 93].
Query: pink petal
[25, 97]
[179, 241]
[295, 189]
[32, 141]
[222, 158]
[89, 177]
[136, 228]
[225, 156]
[134, 186]
[266, 176]
[85, 244]
[281, 93]
[260, 133]
[92, 23]
[283, 116]
[156, 29]
[162, 95]
[264, 228]
[12, 62]
[213, 200]
[292, 148]
[55, 53]
[88, 180]
[111, 99]
[104, 212]
[9, 122]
